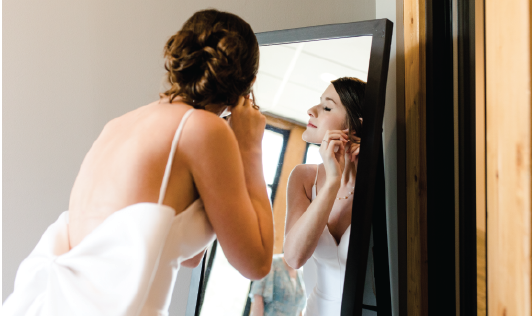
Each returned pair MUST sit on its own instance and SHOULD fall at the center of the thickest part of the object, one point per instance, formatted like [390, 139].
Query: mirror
[294, 73]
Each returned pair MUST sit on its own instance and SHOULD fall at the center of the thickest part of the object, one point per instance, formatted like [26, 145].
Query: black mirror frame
[368, 198]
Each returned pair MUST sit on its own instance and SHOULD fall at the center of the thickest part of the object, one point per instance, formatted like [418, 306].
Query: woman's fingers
[335, 146]
[335, 135]
[354, 147]
[354, 154]
[353, 151]
[242, 102]
[336, 132]
[331, 145]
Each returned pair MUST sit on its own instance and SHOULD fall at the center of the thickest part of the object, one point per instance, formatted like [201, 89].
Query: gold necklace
[347, 196]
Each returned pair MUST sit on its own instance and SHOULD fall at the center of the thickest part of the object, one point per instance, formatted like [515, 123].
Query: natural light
[313, 155]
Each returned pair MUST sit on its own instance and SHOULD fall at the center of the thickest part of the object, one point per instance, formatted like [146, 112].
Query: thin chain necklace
[347, 196]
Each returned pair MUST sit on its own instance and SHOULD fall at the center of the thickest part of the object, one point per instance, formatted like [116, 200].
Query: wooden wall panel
[294, 154]
[508, 132]
[416, 170]
[480, 142]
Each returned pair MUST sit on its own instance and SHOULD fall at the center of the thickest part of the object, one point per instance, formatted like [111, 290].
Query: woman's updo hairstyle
[213, 59]
[351, 91]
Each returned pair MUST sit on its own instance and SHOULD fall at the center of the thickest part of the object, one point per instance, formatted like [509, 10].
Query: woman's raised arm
[227, 169]
[305, 220]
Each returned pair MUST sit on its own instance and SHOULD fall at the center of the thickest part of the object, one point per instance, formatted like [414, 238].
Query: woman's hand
[332, 151]
[248, 124]
[353, 149]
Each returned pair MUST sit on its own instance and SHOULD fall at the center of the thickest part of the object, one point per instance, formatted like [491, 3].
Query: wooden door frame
[508, 31]
[412, 119]
[498, 88]
[429, 87]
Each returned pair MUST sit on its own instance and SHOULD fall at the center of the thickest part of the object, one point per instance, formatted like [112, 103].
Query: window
[312, 155]
[273, 145]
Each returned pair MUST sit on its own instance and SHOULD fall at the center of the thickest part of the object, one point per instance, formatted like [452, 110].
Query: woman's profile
[157, 186]
[319, 197]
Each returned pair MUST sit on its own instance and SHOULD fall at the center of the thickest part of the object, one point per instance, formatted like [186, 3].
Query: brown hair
[213, 59]
[351, 91]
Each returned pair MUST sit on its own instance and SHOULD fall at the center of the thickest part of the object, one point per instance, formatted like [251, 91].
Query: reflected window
[312, 156]
[273, 147]
[224, 287]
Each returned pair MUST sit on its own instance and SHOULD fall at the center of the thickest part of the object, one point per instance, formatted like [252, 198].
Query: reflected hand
[332, 152]
[353, 149]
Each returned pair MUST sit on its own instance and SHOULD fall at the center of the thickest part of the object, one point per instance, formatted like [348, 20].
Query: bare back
[125, 166]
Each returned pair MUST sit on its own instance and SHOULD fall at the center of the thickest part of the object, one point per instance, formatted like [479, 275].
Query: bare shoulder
[205, 129]
[302, 176]
[304, 173]
[208, 122]
[122, 120]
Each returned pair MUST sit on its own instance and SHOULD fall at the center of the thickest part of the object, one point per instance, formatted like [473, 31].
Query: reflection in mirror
[292, 78]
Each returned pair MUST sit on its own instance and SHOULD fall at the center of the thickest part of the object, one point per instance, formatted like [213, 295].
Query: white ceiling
[290, 75]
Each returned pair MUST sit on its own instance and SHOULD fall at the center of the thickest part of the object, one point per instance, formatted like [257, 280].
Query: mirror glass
[291, 79]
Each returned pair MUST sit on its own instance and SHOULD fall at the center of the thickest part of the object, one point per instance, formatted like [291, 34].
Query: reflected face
[329, 114]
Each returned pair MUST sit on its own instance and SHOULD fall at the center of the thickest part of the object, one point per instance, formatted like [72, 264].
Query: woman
[135, 213]
[280, 293]
[319, 201]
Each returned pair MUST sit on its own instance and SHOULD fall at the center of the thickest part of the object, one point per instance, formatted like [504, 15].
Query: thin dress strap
[317, 170]
[315, 186]
[168, 169]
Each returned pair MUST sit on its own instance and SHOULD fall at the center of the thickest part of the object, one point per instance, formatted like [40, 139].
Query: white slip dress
[324, 274]
[127, 266]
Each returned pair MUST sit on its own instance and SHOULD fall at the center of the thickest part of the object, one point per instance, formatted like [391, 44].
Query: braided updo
[213, 59]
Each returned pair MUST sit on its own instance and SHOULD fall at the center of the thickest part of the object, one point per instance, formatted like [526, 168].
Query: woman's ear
[361, 120]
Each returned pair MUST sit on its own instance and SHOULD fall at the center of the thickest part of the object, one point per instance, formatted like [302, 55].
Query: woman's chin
[305, 136]
[309, 139]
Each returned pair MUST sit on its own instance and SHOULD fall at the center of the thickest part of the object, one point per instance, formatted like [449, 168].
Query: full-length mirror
[314, 95]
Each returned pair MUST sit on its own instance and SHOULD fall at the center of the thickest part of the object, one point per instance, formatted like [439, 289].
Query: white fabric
[126, 266]
[328, 263]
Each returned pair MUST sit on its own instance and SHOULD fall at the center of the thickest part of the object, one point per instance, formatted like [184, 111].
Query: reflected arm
[305, 220]
[257, 307]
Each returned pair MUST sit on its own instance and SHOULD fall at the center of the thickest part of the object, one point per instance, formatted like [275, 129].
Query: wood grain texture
[294, 153]
[508, 133]
[481, 273]
[416, 170]
[480, 143]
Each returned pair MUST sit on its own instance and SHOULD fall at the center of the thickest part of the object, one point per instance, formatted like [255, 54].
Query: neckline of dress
[315, 194]
[341, 237]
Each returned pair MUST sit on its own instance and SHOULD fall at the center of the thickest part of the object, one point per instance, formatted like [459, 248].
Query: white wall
[71, 66]
[392, 10]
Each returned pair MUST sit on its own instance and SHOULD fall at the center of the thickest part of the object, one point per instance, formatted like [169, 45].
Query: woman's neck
[214, 108]
[350, 172]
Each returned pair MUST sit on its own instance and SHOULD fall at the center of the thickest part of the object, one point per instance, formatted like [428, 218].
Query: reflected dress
[324, 274]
